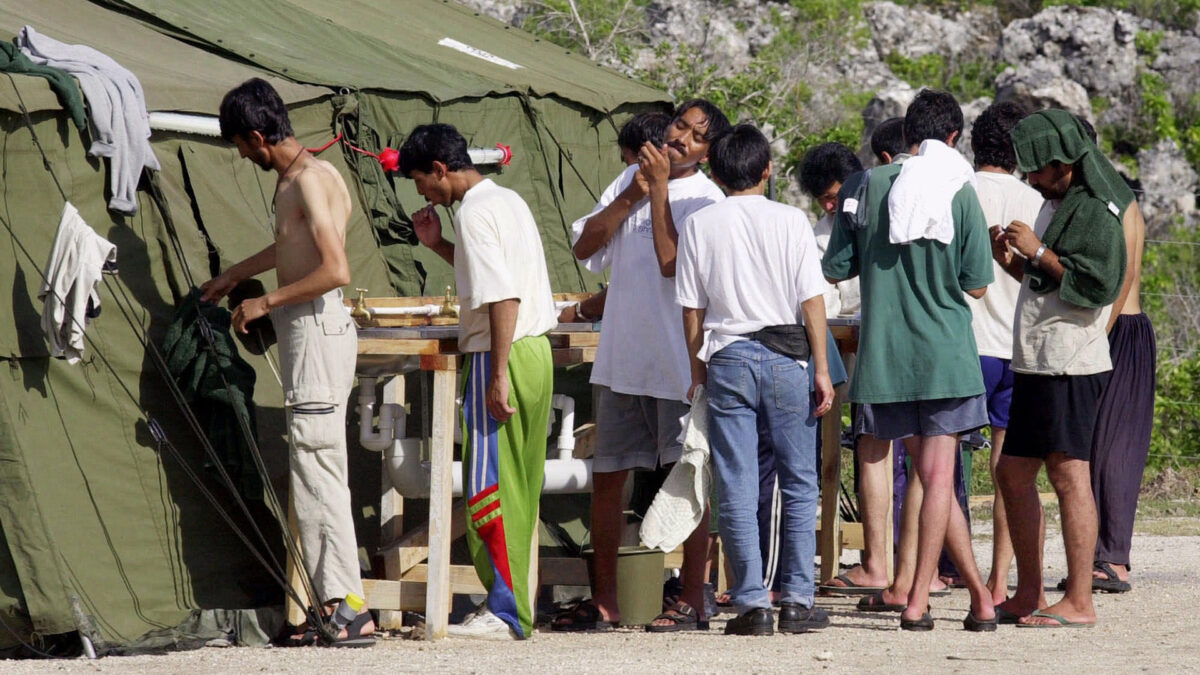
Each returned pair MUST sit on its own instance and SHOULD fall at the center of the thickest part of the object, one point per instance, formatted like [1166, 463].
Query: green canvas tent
[107, 520]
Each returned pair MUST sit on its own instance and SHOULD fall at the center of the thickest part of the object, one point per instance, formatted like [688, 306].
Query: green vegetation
[1147, 42]
[968, 78]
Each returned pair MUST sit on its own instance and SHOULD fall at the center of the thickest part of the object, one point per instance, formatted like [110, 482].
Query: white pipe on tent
[410, 475]
[206, 125]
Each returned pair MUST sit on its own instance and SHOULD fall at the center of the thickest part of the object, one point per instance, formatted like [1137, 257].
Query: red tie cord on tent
[389, 158]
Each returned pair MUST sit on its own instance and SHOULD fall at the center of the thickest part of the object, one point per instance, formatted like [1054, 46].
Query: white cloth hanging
[679, 504]
[117, 106]
[68, 294]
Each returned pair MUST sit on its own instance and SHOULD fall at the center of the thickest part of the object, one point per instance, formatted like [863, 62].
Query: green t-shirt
[916, 341]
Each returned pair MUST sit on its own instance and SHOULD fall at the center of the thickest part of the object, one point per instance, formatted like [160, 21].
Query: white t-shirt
[499, 257]
[641, 349]
[1004, 198]
[842, 298]
[1053, 337]
[750, 263]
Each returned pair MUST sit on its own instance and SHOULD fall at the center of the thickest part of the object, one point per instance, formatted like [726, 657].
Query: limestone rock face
[1178, 61]
[913, 32]
[1169, 182]
[1037, 86]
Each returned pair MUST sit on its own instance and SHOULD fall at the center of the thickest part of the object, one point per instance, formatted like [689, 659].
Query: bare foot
[859, 577]
[1068, 612]
[937, 585]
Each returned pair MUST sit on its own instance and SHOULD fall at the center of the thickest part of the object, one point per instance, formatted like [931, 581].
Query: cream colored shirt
[499, 257]
[1053, 337]
[842, 298]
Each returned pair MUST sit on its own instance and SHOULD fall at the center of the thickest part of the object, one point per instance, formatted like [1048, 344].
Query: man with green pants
[506, 309]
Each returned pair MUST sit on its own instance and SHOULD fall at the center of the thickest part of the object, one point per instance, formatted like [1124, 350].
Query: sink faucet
[448, 308]
[360, 310]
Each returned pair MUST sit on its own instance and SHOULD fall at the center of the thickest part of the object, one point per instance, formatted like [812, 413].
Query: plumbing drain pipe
[411, 476]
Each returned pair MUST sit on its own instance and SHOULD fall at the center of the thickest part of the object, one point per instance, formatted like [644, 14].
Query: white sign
[477, 53]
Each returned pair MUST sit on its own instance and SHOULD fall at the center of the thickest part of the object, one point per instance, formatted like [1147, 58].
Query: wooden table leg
[441, 458]
[829, 542]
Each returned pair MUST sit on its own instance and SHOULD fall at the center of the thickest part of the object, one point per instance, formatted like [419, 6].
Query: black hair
[739, 157]
[933, 115]
[645, 127]
[989, 135]
[254, 105]
[889, 137]
[434, 142]
[718, 123]
[1087, 127]
[826, 164]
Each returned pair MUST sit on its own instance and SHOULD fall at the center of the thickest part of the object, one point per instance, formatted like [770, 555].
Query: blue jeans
[748, 383]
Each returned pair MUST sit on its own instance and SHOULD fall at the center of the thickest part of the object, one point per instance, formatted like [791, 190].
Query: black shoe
[760, 621]
[796, 618]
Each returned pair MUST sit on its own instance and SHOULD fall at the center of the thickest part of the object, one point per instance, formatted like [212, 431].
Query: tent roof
[175, 75]
[437, 48]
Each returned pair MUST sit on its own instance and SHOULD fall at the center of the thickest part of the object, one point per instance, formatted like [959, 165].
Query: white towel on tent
[920, 199]
[679, 504]
[117, 106]
[68, 294]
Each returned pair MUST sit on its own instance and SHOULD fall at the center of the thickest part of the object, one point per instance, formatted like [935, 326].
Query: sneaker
[796, 618]
[483, 625]
[759, 621]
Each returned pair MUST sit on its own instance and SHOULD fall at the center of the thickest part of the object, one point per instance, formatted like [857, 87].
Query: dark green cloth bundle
[13, 60]
[1085, 231]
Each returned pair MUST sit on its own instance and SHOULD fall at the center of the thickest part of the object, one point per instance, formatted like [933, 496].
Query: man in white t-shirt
[641, 369]
[506, 309]
[749, 273]
[1004, 198]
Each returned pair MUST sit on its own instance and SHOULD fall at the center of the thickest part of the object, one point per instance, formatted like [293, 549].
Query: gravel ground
[1152, 629]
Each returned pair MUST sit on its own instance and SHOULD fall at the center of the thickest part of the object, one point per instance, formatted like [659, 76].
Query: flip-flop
[847, 587]
[976, 625]
[925, 623]
[682, 617]
[1062, 622]
[582, 618]
[1111, 583]
[875, 603]
[1006, 617]
[354, 637]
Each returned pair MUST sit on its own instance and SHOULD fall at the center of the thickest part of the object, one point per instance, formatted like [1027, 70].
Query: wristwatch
[580, 315]
[1037, 257]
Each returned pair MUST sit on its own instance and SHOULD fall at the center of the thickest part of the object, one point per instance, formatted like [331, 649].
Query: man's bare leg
[1002, 550]
[874, 476]
[906, 551]
[1016, 479]
[958, 545]
[607, 523]
[695, 555]
[1072, 481]
[934, 462]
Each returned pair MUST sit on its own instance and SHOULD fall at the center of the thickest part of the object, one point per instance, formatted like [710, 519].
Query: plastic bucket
[639, 583]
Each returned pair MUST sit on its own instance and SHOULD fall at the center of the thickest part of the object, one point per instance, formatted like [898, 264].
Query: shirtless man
[317, 341]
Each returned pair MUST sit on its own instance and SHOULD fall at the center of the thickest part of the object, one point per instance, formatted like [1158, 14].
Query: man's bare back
[311, 203]
[1135, 241]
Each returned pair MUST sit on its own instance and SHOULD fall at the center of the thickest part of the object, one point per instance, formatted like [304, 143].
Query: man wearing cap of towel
[1072, 269]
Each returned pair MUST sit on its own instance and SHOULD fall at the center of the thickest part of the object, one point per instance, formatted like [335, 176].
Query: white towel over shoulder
[69, 292]
[679, 504]
[919, 201]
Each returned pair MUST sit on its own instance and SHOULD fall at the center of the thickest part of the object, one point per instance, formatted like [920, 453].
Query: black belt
[790, 340]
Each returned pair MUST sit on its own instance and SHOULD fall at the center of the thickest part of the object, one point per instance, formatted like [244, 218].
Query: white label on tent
[477, 53]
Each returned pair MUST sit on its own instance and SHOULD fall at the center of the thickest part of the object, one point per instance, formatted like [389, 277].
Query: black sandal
[682, 616]
[582, 618]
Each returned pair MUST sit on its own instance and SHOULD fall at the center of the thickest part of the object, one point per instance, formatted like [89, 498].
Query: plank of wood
[414, 346]
[393, 597]
[437, 596]
[463, 578]
[573, 355]
[828, 543]
[413, 546]
[440, 362]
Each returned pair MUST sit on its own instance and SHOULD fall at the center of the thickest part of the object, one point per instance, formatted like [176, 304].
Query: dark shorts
[998, 380]
[1053, 413]
[635, 432]
[934, 417]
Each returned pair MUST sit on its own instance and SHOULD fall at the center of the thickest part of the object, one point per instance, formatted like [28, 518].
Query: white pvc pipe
[423, 310]
[206, 125]
[410, 475]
